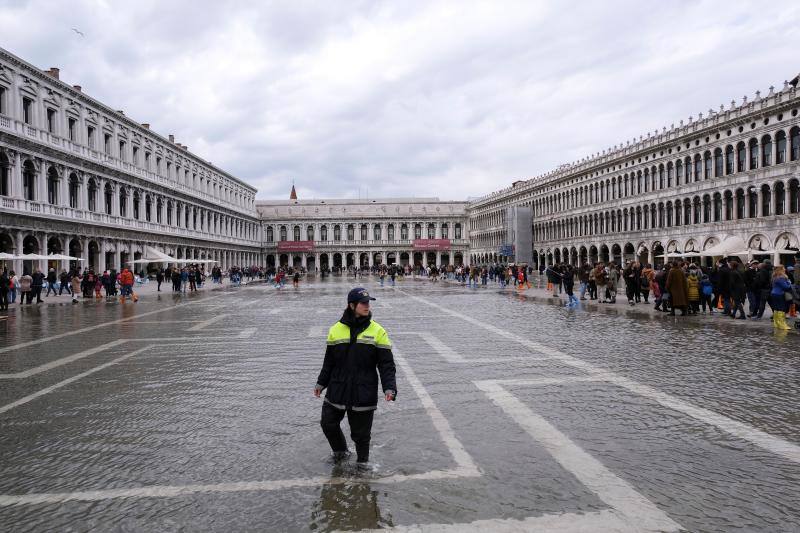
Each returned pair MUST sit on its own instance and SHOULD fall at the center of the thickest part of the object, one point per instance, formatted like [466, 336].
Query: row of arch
[714, 163]
[751, 202]
[98, 195]
[339, 260]
[322, 233]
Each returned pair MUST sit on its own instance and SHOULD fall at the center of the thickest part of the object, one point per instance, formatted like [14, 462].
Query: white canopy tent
[732, 245]
[154, 256]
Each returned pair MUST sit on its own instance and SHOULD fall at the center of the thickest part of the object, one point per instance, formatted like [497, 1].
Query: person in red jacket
[126, 283]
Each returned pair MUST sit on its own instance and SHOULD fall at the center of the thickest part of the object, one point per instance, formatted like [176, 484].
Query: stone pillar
[41, 183]
[18, 238]
[16, 178]
[85, 253]
[101, 257]
[438, 257]
[117, 256]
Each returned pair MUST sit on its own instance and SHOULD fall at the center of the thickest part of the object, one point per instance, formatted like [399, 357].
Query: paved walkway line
[63, 361]
[460, 455]
[172, 491]
[67, 381]
[638, 510]
[740, 430]
[92, 328]
[597, 522]
[247, 333]
[205, 323]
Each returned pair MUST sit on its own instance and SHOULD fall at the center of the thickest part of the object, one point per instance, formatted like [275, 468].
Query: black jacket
[353, 362]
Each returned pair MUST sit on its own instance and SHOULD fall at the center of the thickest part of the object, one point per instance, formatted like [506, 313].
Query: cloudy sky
[405, 98]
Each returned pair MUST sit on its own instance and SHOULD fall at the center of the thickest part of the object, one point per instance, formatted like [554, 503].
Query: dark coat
[736, 285]
[352, 364]
[677, 287]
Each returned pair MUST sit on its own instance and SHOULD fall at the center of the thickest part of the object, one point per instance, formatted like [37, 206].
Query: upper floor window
[108, 196]
[71, 125]
[283, 233]
[376, 232]
[390, 232]
[3, 100]
[417, 231]
[404, 232]
[147, 160]
[27, 110]
[310, 233]
[323, 233]
[91, 195]
[431, 231]
[363, 232]
[107, 143]
[52, 186]
[457, 231]
[28, 181]
[90, 137]
[296, 233]
[74, 191]
[5, 175]
[766, 151]
[270, 234]
[337, 233]
[122, 150]
[445, 233]
[135, 159]
[51, 120]
[780, 148]
[351, 230]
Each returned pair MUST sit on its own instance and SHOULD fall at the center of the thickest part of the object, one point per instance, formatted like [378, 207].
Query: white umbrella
[4, 255]
[62, 257]
[32, 257]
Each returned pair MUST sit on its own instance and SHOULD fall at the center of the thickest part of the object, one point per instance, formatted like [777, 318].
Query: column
[316, 261]
[117, 256]
[303, 260]
[438, 256]
[41, 183]
[101, 260]
[18, 251]
[16, 179]
[85, 253]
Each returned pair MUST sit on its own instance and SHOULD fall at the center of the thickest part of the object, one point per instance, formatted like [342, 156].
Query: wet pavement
[195, 413]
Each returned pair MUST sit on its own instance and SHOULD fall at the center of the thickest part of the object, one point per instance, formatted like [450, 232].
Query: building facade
[332, 234]
[80, 179]
[684, 189]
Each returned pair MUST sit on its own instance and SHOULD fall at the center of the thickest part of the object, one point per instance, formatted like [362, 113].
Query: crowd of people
[689, 288]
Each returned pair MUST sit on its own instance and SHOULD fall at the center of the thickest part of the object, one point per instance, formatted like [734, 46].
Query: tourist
[737, 289]
[612, 282]
[677, 288]
[4, 284]
[75, 282]
[568, 280]
[631, 279]
[693, 290]
[12, 287]
[764, 284]
[706, 293]
[296, 280]
[584, 279]
[358, 348]
[780, 295]
[25, 288]
[126, 285]
[601, 280]
[159, 279]
[64, 280]
[51, 282]
[37, 284]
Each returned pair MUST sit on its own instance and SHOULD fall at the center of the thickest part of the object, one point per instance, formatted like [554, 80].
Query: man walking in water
[358, 351]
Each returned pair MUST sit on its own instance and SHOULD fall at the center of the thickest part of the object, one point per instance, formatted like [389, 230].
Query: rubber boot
[779, 320]
[122, 299]
[793, 310]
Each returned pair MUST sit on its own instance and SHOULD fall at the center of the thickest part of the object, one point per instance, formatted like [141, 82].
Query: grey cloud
[421, 98]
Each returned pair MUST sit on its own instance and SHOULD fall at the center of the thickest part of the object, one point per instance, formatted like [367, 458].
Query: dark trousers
[36, 291]
[763, 300]
[752, 299]
[705, 299]
[360, 429]
[64, 287]
[51, 287]
[4, 300]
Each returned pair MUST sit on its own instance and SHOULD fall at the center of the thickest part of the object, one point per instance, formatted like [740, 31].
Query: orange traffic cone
[719, 303]
[549, 286]
[793, 310]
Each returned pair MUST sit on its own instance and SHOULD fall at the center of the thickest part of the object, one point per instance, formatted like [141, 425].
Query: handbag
[787, 296]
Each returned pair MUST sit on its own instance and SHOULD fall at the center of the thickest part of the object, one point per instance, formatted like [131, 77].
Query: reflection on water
[348, 506]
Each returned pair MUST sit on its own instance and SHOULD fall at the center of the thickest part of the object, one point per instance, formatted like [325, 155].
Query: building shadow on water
[347, 506]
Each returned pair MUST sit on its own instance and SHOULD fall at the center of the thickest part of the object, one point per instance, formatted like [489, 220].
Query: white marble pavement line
[63, 361]
[246, 333]
[608, 521]
[102, 325]
[733, 427]
[205, 323]
[465, 466]
[642, 514]
[51, 388]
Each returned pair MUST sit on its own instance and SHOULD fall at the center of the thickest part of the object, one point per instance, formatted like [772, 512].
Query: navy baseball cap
[359, 294]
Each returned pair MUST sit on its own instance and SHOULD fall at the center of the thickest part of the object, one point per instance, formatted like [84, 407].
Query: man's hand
[317, 392]
[389, 396]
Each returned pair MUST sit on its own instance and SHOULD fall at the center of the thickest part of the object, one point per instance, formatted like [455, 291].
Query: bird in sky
[78, 32]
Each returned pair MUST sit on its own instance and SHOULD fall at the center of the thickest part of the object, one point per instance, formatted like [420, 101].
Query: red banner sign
[295, 246]
[432, 244]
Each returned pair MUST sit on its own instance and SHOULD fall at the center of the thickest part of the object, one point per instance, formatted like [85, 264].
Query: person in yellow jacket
[358, 352]
[693, 290]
